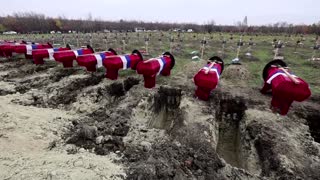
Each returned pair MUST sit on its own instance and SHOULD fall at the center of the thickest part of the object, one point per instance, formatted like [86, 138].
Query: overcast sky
[196, 11]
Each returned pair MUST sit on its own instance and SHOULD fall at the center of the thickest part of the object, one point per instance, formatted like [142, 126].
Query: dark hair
[89, 47]
[173, 61]
[277, 62]
[113, 51]
[216, 58]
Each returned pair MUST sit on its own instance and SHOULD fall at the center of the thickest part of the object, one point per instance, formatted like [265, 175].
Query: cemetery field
[297, 56]
[68, 123]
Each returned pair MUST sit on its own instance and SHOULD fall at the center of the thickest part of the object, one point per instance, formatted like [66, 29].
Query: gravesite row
[285, 86]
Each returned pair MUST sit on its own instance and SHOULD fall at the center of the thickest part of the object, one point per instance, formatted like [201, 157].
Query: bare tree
[209, 26]
[26, 22]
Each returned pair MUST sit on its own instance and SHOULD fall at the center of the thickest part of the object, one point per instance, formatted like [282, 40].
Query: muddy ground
[69, 124]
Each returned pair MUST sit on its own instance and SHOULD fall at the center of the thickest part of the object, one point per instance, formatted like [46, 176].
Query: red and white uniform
[284, 90]
[153, 67]
[27, 49]
[40, 54]
[7, 48]
[207, 82]
[93, 61]
[114, 63]
[67, 57]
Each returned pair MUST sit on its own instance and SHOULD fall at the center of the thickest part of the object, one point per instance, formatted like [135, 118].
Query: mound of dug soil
[31, 147]
[120, 130]
[236, 73]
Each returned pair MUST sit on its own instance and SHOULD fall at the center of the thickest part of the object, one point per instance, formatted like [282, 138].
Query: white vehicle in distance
[190, 30]
[10, 32]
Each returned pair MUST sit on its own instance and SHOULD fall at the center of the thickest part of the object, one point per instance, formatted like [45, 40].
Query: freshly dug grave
[162, 133]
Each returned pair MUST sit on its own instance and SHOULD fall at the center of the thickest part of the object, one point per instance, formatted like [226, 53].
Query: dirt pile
[31, 147]
[120, 130]
[236, 73]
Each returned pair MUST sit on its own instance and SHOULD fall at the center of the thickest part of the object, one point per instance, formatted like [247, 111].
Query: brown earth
[69, 124]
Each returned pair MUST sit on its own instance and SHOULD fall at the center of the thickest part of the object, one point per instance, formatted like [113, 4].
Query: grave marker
[276, 52]
[90, 40]
[224, 42]
[239, 44]
[203, 45]
[52, 39]
[160, 42]
[64, 40]
[146, 41]
[171, 44]
[124, 44]
[138, 38]
[250, 47]
[105, 39]
[274, 41]
[297, 44]
[316, 48]
[231, 41]
[77, 38]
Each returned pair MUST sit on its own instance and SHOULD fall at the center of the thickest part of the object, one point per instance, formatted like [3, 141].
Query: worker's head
[275, 63]
[217, 59]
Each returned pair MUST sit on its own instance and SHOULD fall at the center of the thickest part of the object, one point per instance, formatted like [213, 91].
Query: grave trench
[167, 102]
[166, 108]
[313, 121]
[112, 125]
[312, 116]
[68, 93]
[31, 76]
[22, 68]
[109, 121]
[38, 82]
[232, 145]
[58, 94]
[12, 63]
[230, 117]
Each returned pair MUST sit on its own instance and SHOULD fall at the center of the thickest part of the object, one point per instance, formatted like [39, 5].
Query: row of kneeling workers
[278, 78]
[91, 60]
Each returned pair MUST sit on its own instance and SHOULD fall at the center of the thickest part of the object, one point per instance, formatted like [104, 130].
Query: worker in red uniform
[285, 86]
[208, 77]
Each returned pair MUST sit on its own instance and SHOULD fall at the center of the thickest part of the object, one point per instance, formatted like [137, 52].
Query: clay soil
[58, 123]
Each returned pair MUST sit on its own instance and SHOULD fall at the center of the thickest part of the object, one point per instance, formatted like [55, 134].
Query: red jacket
[151, 69]
[93, 61]
[39, 54]
[284, 90]
[207, 82]
[67, 57]
[114, 63]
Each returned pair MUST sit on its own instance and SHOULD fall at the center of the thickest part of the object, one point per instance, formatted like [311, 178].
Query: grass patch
[262, 51]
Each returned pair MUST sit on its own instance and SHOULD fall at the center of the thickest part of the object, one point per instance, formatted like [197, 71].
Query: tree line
[30, 22]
